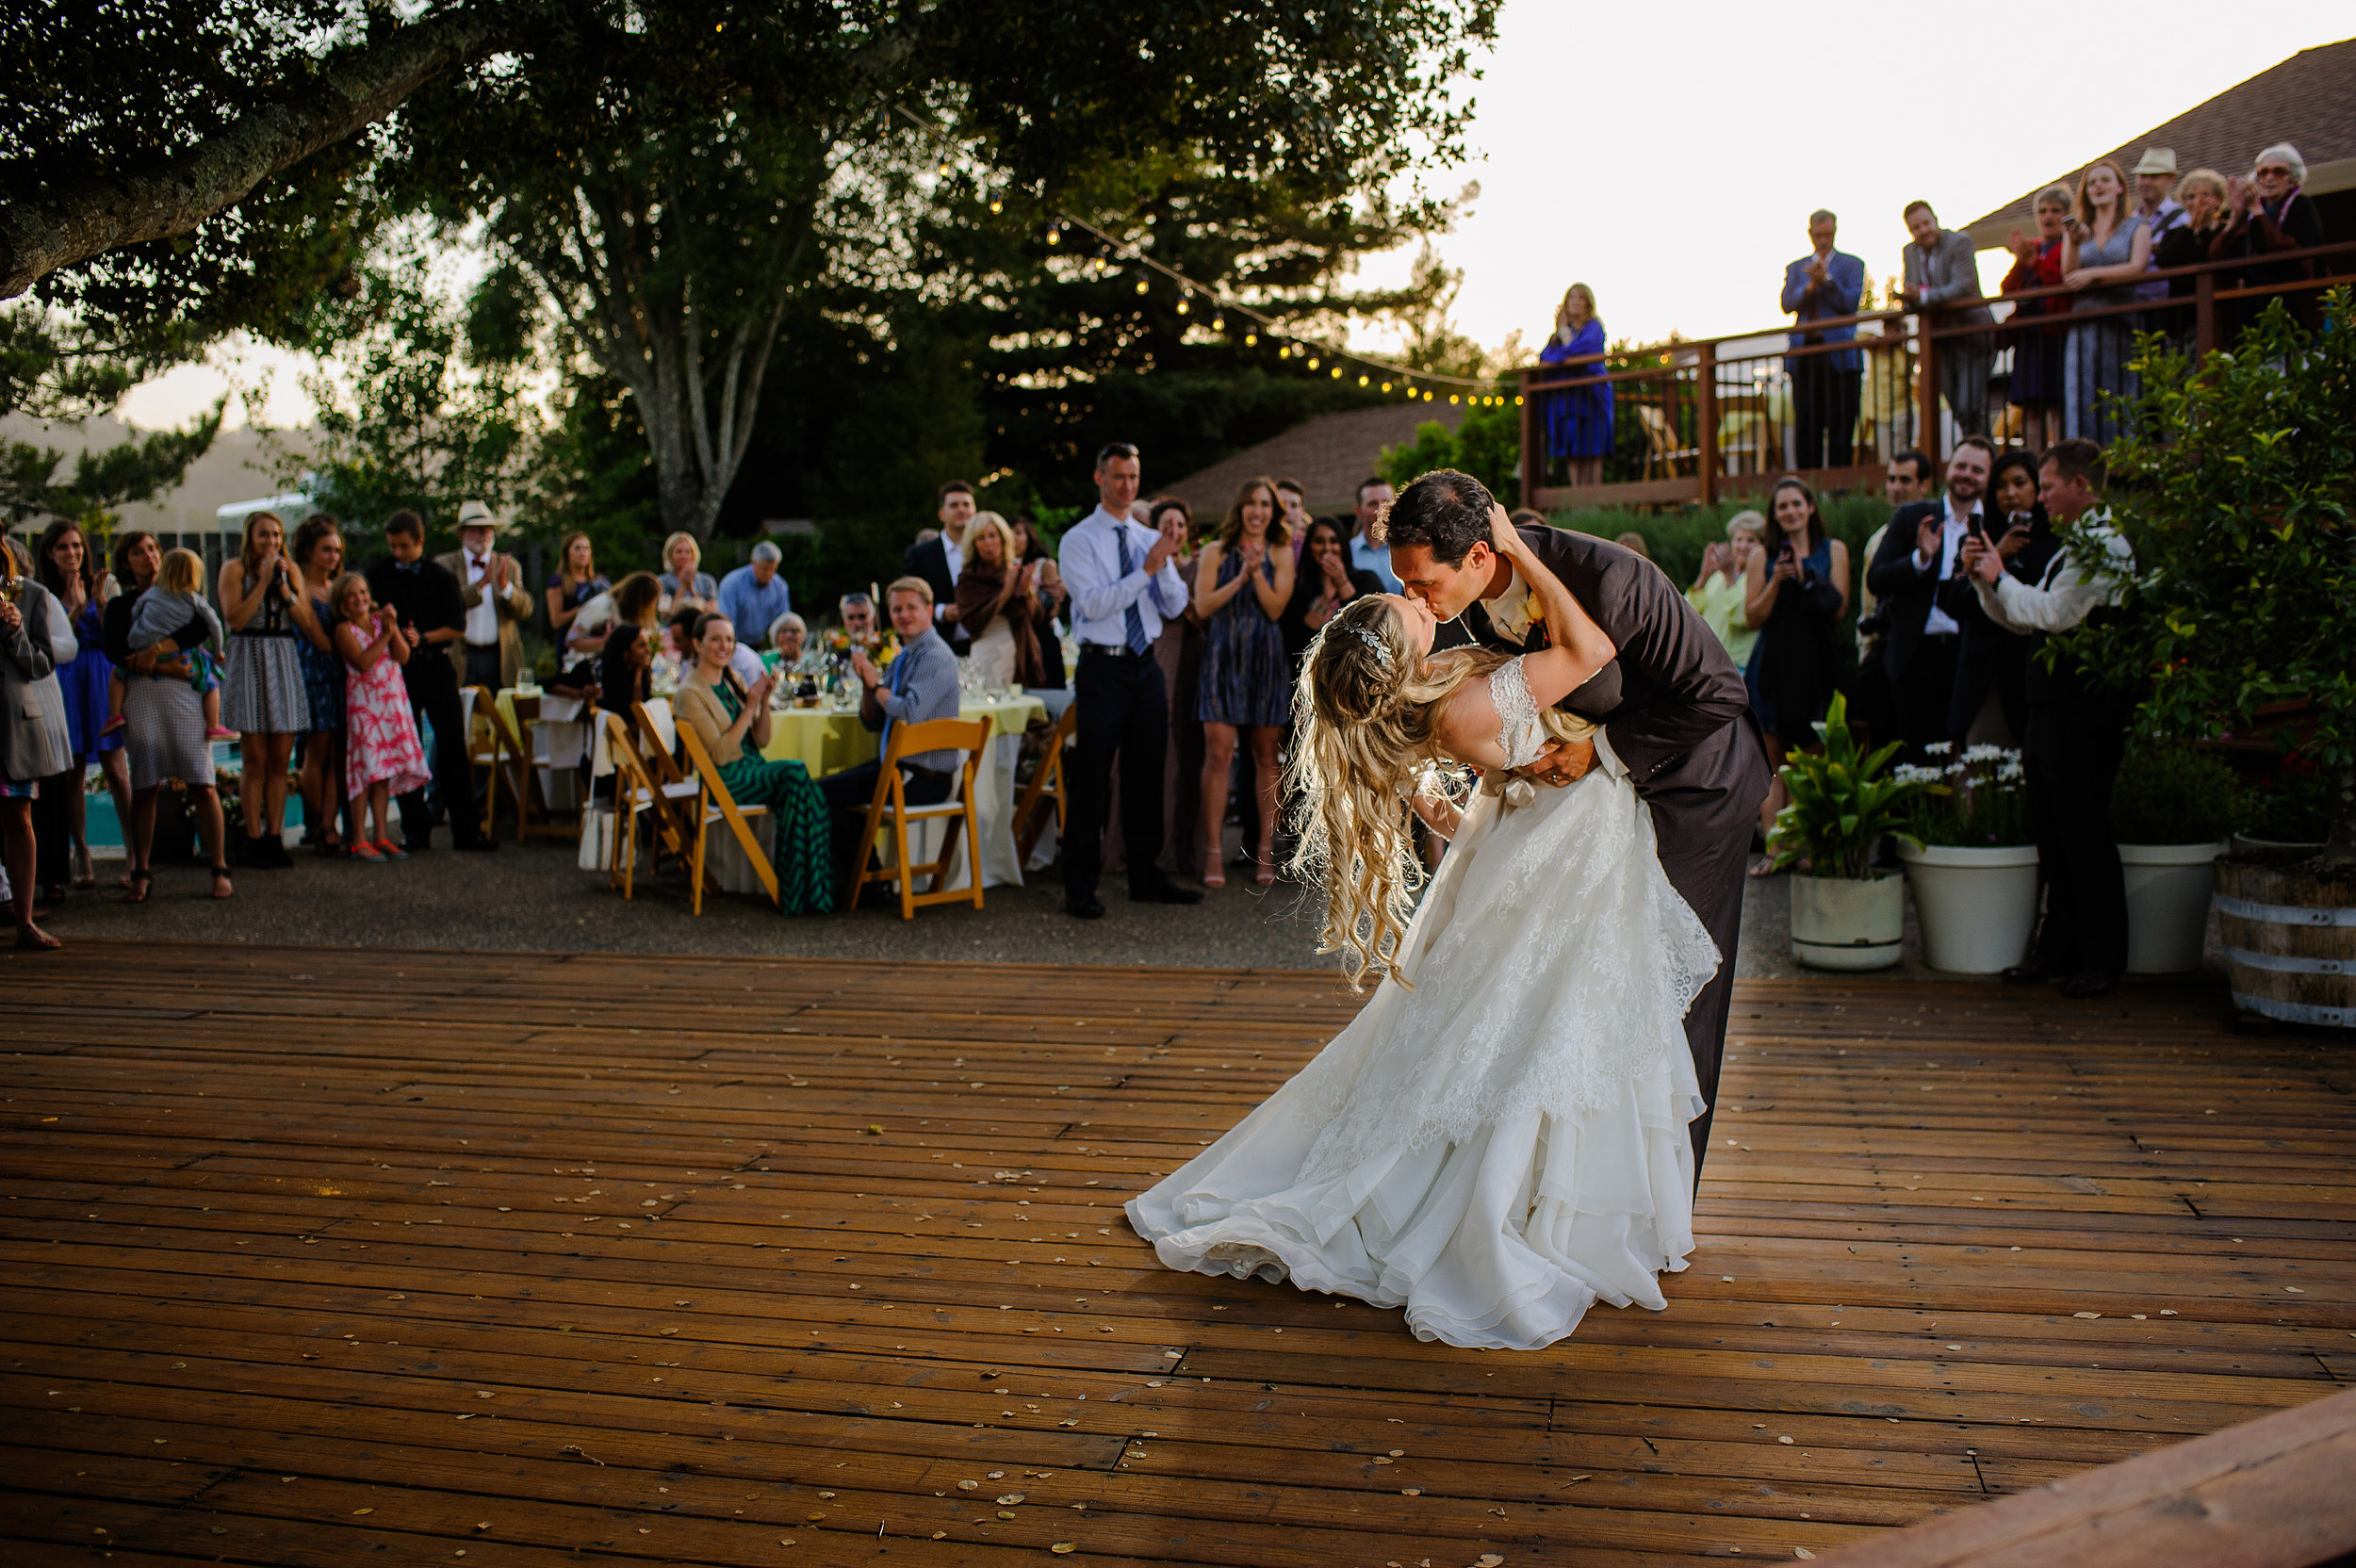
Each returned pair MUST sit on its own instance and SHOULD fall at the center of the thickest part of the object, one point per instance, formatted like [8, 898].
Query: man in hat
[491, 653]
[2156, 206]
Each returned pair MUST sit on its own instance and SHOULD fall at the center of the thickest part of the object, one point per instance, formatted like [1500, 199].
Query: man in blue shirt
[754, 597]
[1824, 285]
[921, 685]
[1365, 551]
[1123, 585]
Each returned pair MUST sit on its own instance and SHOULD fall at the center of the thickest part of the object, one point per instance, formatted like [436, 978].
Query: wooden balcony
[1717, 417]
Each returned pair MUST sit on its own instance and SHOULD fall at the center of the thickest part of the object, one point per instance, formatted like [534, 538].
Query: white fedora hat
[476, 515]
[2156, 160]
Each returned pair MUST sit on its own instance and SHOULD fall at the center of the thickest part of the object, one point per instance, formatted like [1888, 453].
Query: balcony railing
[1725, 417]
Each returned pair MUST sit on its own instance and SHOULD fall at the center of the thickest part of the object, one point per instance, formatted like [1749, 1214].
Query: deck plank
[715, 1237]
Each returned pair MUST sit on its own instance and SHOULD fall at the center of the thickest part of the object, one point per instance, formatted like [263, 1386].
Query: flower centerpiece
[1969, 857]
[1844, 914]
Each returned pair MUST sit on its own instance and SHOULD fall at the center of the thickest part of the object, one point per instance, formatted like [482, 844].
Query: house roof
[1330, 455]
[2308, 101]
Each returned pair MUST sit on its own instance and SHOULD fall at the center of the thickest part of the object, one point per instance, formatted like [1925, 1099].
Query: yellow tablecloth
[827, 740]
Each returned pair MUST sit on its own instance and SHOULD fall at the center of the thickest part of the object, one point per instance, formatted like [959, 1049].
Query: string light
[1182, 308]
[1141, 286]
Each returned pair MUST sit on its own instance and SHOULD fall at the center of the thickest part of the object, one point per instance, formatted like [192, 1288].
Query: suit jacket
[1672, 705]
[35, 742]
[1948, 276]
[930, 560]
[1906, 594]
[1843, 286]
[514, 607]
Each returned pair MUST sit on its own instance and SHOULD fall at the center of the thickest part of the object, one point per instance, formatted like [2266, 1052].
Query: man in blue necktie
[1124, 587]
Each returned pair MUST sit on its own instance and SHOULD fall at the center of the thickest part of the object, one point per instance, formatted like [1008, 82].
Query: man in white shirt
[1366, 552]
[1922, 549]
[491, 651]
[2077, 731]
[1123, 586]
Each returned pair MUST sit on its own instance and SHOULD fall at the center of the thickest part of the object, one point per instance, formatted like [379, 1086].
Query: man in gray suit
[1941, 271]
[1672, 705]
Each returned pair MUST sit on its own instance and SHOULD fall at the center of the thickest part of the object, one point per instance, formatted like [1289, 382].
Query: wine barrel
[2290, 941]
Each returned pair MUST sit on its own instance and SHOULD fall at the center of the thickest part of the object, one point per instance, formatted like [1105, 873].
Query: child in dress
[381, 754]
[175, 610]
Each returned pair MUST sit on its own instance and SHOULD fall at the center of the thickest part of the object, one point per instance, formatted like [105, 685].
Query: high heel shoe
[1263, 869]
[1212, 876]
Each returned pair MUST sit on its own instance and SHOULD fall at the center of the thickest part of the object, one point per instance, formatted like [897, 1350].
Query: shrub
[2172, 794]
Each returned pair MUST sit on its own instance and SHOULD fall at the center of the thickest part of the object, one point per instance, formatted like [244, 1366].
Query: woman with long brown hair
[1498, 1139]
[1247, 683]
[1794, 593]
[319, 555]
[164, 731]
[263, 695]
[2104, 249]
[65, 564]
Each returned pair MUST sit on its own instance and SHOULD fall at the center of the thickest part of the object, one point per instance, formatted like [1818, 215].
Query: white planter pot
[1975, 907]
[1841, 923]
[2168, 904]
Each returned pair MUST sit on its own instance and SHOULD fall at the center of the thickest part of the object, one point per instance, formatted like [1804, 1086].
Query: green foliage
[1842, 801]
[1979, 800]
[104, 479]
[420, 422]
[2172, 794]
[1486, 444]
[2234, 487]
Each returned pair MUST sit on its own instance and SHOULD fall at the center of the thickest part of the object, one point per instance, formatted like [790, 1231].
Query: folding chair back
[968, 736]
[714, 803]
[1046, 781]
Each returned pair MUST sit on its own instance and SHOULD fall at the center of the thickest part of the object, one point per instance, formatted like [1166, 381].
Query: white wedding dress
[1506, 1143]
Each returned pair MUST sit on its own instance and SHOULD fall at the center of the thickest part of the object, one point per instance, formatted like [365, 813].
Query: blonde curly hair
[1363, 747]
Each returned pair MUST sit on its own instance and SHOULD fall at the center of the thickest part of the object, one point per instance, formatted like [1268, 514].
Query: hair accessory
[1382, 649]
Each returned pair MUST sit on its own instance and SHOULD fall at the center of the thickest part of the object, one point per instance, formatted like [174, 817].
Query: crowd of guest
[2070, 370]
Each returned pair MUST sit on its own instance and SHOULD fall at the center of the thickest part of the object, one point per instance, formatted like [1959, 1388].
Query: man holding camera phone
[1922, 549]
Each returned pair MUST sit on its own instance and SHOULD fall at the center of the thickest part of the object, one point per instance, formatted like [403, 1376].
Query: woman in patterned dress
[381, 756]
[1247, 681]
[66, 566]
[262, 695]
[318, 554]
[164, 723]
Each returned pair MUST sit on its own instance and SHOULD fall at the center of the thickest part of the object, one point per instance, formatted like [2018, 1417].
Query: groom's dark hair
[1443, 511]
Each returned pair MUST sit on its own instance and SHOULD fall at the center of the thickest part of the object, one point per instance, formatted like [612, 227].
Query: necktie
[1133, 617]
[411, 567]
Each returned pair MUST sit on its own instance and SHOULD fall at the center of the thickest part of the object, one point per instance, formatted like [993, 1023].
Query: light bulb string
[1124, 249]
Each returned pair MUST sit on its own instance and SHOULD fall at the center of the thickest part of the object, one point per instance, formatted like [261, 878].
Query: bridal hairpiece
[1382, 649]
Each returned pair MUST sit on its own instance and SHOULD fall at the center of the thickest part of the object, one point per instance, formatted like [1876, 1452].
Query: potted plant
[2233, 486]
[1844, 913]
[1970, 859]
[2170, 811]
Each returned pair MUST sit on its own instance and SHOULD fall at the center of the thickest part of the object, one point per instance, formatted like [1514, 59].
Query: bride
[1499, 1137]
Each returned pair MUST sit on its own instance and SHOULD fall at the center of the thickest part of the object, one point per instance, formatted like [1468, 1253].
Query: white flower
[1986, 754]
[1938, 748]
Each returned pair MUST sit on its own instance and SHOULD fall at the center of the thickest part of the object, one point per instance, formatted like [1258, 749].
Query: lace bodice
[1520, 734]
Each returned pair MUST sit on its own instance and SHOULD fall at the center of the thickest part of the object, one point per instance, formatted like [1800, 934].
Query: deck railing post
[1706, 419]
[1926, 388]
[1533, 466]
[2203, 316]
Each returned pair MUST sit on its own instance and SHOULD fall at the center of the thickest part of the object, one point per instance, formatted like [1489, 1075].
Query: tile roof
[2308, 101]
[1329, 455]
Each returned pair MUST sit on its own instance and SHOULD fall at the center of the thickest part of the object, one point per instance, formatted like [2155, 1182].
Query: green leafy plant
[2172, 794]
[1842, 802]
[2233, 487]
[1486, 444]
[1979, 800]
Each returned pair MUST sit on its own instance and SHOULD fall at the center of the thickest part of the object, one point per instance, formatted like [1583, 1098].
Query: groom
[1673, 712]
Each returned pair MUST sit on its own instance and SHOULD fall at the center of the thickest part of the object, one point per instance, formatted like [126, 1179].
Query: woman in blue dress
[1794, 593]
[1247, 680]
[65, 565]
[1578, 418]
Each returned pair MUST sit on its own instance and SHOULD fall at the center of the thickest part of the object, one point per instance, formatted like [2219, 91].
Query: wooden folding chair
[487, 749]
[1047, 779]
[715, 803]
[908, 740]
[636, 791]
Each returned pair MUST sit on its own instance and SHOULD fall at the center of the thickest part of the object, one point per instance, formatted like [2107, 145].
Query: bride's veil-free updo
[1366, 705]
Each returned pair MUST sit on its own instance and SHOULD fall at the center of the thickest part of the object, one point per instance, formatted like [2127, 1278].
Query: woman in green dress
[733, 721]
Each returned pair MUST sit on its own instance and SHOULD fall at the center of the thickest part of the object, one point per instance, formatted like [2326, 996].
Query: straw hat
[2156, 160]
[476, 515]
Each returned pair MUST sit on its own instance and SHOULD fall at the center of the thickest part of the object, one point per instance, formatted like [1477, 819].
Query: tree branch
[40, 234]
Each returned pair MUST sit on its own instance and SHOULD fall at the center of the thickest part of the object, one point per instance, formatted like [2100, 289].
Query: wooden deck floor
[324, 1258]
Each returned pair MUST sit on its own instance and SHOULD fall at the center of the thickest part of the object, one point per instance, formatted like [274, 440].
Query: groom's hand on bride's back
[1563, 762]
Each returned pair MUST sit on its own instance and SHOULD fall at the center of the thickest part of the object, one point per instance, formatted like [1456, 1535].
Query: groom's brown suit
[1675, 710]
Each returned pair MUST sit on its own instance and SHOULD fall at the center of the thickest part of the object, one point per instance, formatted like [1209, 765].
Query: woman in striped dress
[263, 695]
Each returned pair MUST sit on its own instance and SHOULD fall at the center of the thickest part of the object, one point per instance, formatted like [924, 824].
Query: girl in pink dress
[381, 757]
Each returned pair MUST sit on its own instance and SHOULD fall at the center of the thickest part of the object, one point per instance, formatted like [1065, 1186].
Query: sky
[1668, 156]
